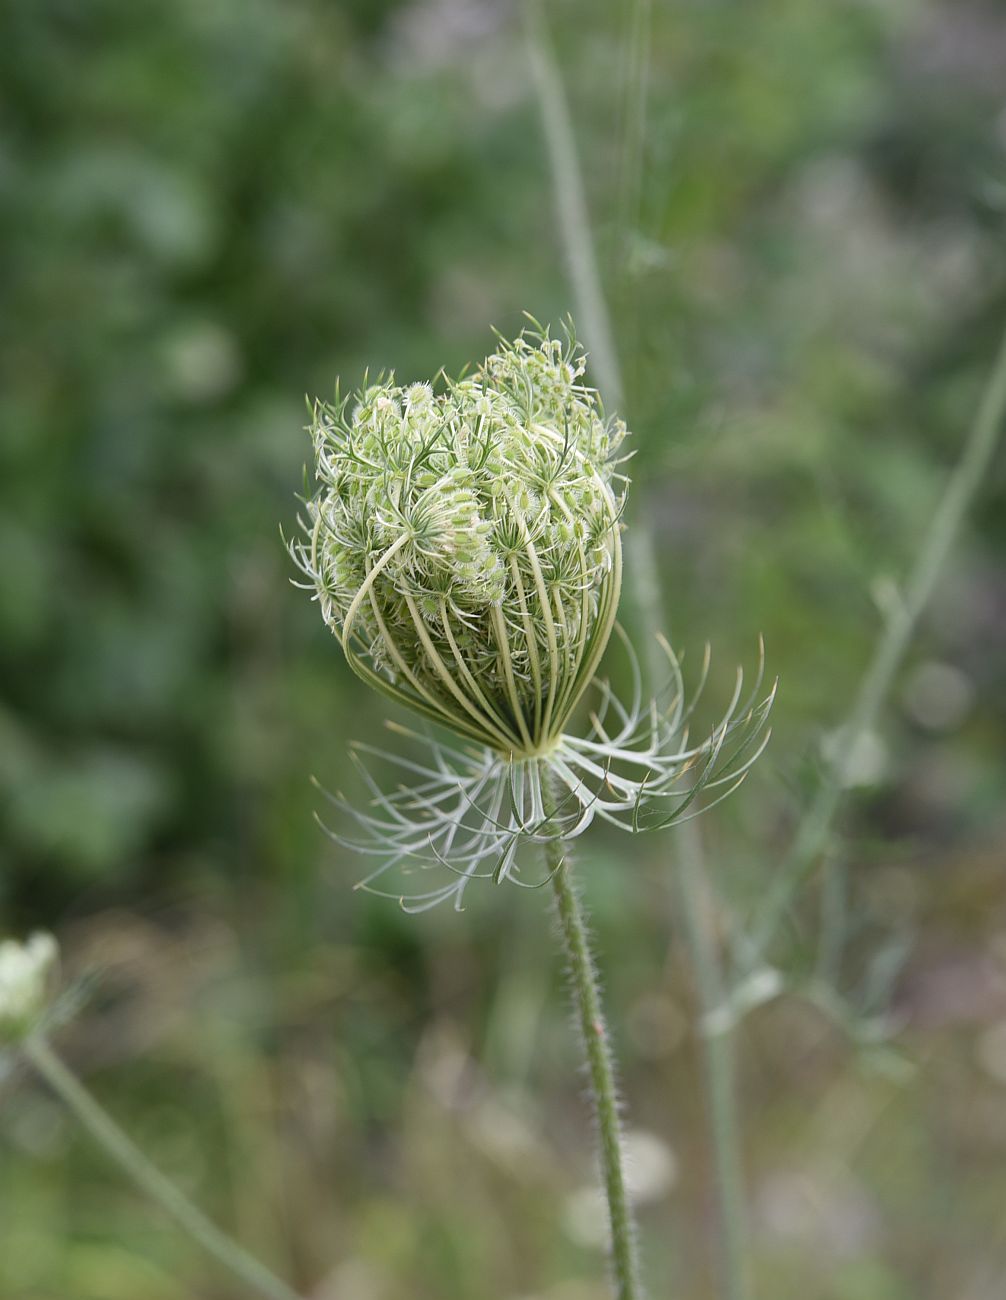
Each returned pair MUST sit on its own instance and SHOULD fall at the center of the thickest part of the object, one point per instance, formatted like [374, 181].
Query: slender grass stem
[121, 1148]
[636, 92]
[600, 1063]
[631, 171]
[571, 205]
[964, 482]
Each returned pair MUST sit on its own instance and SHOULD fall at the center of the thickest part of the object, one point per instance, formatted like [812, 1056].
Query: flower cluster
[464, 544]
[25, 973]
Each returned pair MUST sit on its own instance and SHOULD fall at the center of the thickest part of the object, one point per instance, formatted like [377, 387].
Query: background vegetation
[210, 209]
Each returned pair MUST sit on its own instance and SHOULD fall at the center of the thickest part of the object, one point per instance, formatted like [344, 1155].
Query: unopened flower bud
[464, 545]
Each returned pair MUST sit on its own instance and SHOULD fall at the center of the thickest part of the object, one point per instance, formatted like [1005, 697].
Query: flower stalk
[600, 1065]
[464, 546]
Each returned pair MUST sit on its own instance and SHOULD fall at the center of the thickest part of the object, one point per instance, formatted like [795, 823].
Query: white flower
[25, 969]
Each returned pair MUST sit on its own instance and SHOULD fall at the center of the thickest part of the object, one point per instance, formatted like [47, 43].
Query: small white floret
[24, 978]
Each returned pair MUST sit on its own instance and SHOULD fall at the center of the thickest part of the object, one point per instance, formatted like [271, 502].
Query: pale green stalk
[637, 79]
[697, 905]
[719, 1061]
[571, 206]
[592, 312]
[121, 1148]
[600, 1063]
[632, 154]
[962, 486]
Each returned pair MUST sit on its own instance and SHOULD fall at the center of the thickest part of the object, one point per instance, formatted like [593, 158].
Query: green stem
[695, 899]
[962, 486]
[600, 1062]
[571, 205]
[718, 1053]
[148, 1177]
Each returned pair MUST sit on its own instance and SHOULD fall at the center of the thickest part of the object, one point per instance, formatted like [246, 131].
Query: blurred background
[210, 209]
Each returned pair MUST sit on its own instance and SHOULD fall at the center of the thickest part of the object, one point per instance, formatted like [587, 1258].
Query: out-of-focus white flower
[25, 969]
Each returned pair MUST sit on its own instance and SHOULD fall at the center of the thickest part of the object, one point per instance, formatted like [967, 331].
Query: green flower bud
[464, 545]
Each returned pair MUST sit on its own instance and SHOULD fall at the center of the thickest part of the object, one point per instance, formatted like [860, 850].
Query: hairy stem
[600, 1063]
[148, 1177]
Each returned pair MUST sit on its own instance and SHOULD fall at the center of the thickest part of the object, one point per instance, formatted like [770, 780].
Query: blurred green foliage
[209, 209]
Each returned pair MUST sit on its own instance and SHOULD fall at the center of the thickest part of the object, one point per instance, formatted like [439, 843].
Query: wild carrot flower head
[464, 545]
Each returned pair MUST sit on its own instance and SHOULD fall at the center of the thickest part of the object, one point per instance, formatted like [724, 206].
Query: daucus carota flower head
[464, 545]
[25, 974]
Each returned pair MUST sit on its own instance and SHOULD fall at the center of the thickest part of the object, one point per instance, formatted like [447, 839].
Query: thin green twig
[964, 482]
[600, 1063]
[637, 81]
[571, 206]
[719, 1062]
[124, 1151]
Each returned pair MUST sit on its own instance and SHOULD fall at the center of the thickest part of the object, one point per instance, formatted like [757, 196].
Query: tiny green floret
[465, 544]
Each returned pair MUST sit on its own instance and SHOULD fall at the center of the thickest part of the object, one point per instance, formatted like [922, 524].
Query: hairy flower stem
[148, 1177]
[600, 1063]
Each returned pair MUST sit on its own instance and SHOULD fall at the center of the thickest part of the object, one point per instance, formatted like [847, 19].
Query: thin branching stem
[600, 1061]
[962, 486]
[128, 1156]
